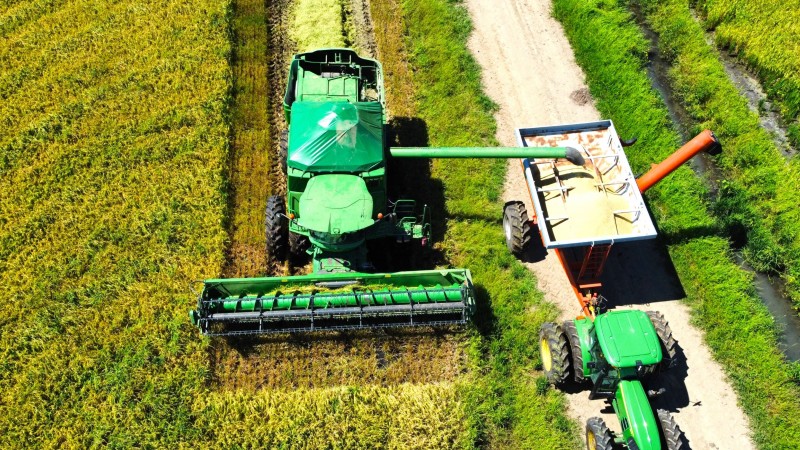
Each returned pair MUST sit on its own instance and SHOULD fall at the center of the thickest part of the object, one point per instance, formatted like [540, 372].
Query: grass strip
[508, 403]
[612, 51]
[112, 197]
[758, 198]
[764, 35]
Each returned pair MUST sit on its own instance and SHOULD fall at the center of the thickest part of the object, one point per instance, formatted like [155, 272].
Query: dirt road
[529, 70]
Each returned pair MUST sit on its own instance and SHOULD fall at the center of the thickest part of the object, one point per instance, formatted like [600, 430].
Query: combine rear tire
[554, 350]
[598, 436]
[277, 231]
[283, 150]
[517, 228]
[668, 344]
[575, 350]
[671, 435]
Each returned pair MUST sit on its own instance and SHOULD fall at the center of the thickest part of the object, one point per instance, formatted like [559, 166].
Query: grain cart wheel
[668, 344]
[574, 350]
[277, 230]
[517, 228]
[283, 150]
[598, 436]
[671, 435]
[298, 244]
[554, 349]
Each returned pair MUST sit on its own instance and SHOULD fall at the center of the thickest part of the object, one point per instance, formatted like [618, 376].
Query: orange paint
[703, 141]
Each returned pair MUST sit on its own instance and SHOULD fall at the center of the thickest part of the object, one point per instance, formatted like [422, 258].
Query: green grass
[112, 198]
[764, 34]
[611, 49]
[758, 195]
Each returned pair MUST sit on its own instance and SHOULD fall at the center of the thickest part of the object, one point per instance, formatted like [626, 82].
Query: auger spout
[569, 153]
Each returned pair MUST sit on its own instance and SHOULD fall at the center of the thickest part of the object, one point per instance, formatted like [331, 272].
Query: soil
[530, 72]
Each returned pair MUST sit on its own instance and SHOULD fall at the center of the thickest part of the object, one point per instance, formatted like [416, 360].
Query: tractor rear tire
[554, 350]
[574, 350]
[517, 227]
[598, 436]
[277, 231]
[283, 150]
[669, 347]
[672, 437]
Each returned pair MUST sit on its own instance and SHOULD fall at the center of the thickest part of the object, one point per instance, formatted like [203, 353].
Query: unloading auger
[335, 157]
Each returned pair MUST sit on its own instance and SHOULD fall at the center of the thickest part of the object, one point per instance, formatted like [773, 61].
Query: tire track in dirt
[530, 72]
[378, 357]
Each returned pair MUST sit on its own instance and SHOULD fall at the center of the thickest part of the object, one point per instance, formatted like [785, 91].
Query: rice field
[137, 153]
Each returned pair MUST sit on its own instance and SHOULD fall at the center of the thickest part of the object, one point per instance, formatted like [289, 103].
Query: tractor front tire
[598, 436]
[516, 227]
[277, 231]
[554, 350]
[672, 437]
[575, 350]
[283, 150]
[669, 347]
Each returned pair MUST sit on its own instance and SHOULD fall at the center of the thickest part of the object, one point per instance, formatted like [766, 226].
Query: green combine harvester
[335, 157]
[614, 352]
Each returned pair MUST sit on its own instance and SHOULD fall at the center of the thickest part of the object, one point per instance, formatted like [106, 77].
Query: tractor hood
[336, 136]
[335, 204]
[632, 404]
[627, 338]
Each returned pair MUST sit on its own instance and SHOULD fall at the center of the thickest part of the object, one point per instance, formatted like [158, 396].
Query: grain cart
[335, 157]
[581, 212]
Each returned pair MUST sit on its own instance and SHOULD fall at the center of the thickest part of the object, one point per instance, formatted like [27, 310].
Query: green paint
[633, 409]
[336, 136]
[478, 152]
[348, 211]
[627, 339]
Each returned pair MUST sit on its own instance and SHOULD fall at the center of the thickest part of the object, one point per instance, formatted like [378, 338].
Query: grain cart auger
[335, 157]
[580, 213]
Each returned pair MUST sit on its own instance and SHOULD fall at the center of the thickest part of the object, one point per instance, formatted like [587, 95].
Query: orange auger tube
[703, 141]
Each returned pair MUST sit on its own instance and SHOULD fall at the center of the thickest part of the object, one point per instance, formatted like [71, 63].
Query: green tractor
[335, 157]
[615, 352]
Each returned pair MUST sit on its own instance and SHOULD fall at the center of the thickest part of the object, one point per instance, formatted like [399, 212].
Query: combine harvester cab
[580, 213]
[335, 159]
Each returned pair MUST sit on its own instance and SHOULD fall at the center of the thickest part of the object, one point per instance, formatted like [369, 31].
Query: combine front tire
[298, 244]
[575, 350]
[669, 347]
[555, 353]
[671, 435]
[516, 227]
[598, 436]
[277, 230]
